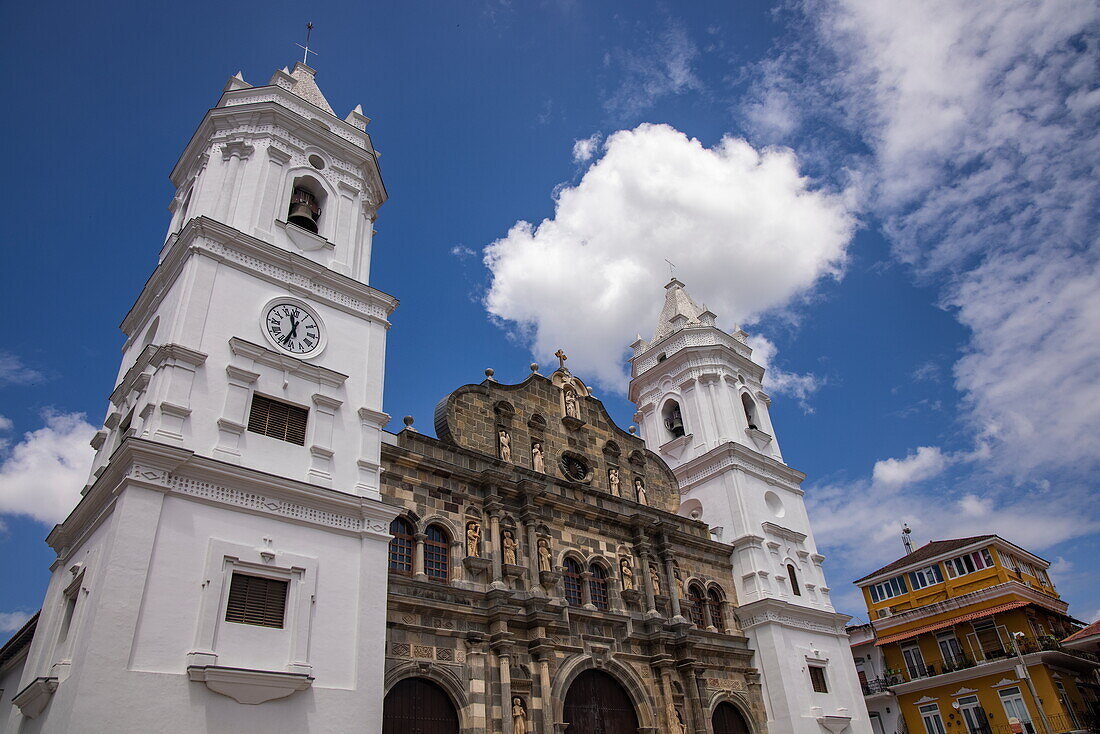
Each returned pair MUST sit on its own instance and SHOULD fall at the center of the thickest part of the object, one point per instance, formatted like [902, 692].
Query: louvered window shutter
[256, 600]
[278, 420]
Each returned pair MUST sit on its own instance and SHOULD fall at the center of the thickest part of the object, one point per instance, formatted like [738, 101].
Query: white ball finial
[489, 372]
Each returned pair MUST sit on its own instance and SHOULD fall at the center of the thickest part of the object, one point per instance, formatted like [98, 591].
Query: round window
[574, 468]
[317, 162]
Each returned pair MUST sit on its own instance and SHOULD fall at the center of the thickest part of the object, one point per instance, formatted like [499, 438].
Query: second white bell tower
[702, 407]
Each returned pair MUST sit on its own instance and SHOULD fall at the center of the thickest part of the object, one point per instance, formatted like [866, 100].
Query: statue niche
[538, 461]
[509, 545]
[505, 444]
[473, 539]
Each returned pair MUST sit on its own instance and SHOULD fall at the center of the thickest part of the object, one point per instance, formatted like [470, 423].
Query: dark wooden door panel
[728, 720]
[597, 704]
[418, 706]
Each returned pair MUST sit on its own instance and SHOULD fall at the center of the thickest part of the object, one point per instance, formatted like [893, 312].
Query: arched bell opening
[673, 419]
[307, 199]
[750, 411]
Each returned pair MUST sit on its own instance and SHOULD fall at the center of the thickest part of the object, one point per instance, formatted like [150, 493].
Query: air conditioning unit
[885, 612]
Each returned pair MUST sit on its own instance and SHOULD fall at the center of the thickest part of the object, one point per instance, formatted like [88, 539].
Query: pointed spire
[306, 87]
[679, 311]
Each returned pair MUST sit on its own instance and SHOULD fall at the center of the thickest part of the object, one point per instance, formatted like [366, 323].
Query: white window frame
[222, 560]
[922, 578]
[932, 711]
[979, 561]
[889, 589]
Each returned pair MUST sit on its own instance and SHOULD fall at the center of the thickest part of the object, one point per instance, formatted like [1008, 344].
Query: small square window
[817, 679]
[256, 600]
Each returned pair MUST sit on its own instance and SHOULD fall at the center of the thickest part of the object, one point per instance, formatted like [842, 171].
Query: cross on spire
[306, 50]
[671, 268]
[561, 358]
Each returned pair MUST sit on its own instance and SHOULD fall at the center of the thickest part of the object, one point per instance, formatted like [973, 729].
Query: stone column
[530, 526]
[673, 590]
[586, 590]
[647, 583]
[547, 698]
[492, 509]
[418, 556]
[505, 690]
[699, 710]
[669, 703]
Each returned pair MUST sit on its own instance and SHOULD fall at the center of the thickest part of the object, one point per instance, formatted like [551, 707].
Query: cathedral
[255, 552]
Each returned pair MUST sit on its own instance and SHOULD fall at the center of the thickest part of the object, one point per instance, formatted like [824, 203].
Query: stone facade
[492, 631]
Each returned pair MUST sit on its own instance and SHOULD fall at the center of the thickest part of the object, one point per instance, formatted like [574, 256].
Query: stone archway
[598, 704]
[418, 706]
[727, 719]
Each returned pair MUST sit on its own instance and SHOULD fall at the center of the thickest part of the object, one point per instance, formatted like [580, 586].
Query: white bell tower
[702, 408]
[226, 558]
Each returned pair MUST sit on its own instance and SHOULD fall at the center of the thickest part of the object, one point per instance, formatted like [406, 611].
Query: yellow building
[949, 618]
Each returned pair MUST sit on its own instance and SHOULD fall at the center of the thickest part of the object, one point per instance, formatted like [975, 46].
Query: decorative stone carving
[538, 462]
[509, 545]
[626, 570]
[572, 409]
[613, 480]
[639, 488]
[544, 555]
[505, 442]
[473, 538]
[680, 722]
[519, 716]
[655, 579]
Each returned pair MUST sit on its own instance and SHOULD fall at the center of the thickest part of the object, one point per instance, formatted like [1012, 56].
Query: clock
[292, 327]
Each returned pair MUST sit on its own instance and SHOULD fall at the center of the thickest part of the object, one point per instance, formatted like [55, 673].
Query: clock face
[292, 328]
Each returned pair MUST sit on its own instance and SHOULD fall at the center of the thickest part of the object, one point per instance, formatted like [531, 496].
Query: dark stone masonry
[510, 583]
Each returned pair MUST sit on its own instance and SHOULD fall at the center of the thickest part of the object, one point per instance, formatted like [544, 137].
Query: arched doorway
[728, 720]
[418, 706]
[597, 704]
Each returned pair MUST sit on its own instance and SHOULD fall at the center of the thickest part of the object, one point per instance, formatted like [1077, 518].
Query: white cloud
[14, 372]
[585, 148]
[985, 183]
[662, 67]
[748, 233]
[925, 463]
[5, 424]
[12, 621]
[42, 475]
[780, 382]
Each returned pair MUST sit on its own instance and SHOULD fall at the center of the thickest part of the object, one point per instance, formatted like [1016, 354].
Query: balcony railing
[879, 685]
[1027, 645]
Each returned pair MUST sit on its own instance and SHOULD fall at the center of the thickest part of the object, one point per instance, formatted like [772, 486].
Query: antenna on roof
[306, 50]
[905, 531]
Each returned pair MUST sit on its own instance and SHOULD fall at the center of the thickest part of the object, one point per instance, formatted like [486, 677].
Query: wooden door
[728, 720]
[597, 704]
[418, 706]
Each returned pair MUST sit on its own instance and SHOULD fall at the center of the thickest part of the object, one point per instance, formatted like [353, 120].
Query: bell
[675, 423]
[304, 211]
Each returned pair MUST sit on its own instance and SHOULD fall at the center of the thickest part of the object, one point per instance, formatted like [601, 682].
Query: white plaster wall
[140, 617]
[9, 686]
[792, 704]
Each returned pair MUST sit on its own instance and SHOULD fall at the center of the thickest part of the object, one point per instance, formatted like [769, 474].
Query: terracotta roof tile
[1092, 629]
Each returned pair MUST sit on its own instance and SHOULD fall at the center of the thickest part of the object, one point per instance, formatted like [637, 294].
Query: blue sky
[900, 207]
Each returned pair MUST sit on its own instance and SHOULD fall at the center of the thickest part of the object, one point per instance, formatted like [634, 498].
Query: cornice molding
[182, 472]
[286, 363]
[737, 456]
[777, 611]
[263, 260]
[956, 605]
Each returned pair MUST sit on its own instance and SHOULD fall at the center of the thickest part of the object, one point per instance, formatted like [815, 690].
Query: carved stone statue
[505, 445]
[679, 583]
[537, 461]
[639, 487]
[626, 570]
[613, 480]
[544, 554]
[680, 722]
[571, 408]
[508, 542]
[473, 539]
[655, 579]
[519, 716]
